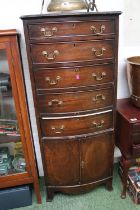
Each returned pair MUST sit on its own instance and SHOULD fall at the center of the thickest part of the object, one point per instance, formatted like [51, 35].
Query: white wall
[129, 42]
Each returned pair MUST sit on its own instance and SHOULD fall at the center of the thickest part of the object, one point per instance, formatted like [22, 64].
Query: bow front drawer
[68, 126]
[50, 30]
[75, 101]
[71, 52]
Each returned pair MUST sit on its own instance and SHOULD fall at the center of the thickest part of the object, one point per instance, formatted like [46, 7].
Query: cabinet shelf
[9, 139]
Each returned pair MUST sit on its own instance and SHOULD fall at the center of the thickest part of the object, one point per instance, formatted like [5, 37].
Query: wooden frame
[9, 42]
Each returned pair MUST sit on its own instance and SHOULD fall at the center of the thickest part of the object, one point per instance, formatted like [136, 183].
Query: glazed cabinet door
[12, 157]
[96, 157]
[17, 160]
[62, 162]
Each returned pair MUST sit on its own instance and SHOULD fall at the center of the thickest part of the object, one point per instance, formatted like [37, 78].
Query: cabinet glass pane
[11, 151]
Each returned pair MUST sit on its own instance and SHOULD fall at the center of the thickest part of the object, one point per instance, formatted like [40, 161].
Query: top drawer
[47, 30]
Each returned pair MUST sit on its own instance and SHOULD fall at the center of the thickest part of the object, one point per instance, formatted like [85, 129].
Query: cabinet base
[77, 189]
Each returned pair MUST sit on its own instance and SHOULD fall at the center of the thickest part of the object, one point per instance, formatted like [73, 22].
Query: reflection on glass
[7, 108]
[11, 151]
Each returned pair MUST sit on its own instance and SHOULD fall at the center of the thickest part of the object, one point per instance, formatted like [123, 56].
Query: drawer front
[76, 125]
[136, 138]
[71, 52]
[136, 127]
[136, 150]
[61, 29]
[75, 101]
[73, 77]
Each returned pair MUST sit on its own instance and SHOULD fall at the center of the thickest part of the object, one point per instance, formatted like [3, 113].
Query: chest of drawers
[73, 68]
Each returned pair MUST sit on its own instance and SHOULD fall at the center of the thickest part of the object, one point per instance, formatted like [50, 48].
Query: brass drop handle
[51, 55]
[58, 129]
[48, 32]
[98, 53]
[51, 81]
[99, 77]
[98, 125]
[102, 28]
[98, 97]
[55, 102]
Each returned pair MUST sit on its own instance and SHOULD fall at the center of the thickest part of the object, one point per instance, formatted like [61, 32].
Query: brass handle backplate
[102, 28]
[48, 32]
[99, 77]
[51, 55]
[98, 125]
[98, 53]
[52, 81]
[58, 129]
[98, 97]
[55, 102]
[76, 69]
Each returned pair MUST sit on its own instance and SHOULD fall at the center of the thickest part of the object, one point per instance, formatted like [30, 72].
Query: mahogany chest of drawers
[73, 68]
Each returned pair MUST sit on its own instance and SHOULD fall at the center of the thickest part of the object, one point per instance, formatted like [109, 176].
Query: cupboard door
[96, 157]
[62, 162]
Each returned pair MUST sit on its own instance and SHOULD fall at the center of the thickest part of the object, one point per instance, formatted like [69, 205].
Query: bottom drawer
[136, 144]
[70, 162]
[76, 125]
[136, 150]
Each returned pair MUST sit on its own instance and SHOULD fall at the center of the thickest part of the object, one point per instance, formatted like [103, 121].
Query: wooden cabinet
[128, 136]
[73, 68]
[17, 158]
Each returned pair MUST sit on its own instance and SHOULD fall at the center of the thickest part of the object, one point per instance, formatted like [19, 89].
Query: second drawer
[68, 126]
[81, 51]
[75, 101]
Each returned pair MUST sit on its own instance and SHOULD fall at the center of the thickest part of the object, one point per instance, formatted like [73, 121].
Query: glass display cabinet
[17, 158]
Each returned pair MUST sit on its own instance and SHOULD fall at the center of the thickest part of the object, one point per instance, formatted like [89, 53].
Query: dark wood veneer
[74, 73]
[74, 76]
[128, 136]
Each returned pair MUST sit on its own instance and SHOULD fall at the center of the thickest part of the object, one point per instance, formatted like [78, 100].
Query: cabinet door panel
[62, 162]
[97, 157]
